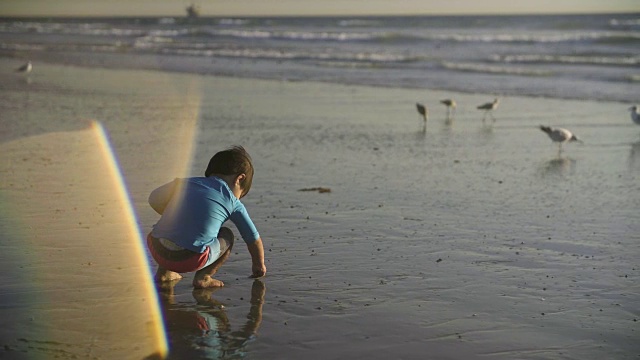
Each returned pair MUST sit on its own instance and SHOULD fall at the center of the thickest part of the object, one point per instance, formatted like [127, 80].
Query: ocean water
[592, 57]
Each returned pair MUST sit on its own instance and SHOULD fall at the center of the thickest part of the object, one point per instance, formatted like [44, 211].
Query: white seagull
[635, 115]
[422, 110]
[559, 135]
[450, 104]
[26, 68]
[488, 108]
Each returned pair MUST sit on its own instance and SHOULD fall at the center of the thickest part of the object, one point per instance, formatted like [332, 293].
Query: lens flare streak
[158, 331]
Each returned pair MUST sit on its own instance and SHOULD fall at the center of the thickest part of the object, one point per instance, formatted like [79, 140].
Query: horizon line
[206, 16]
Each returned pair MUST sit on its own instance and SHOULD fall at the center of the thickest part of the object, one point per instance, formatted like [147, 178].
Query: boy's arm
[258, 269]
[159, 198]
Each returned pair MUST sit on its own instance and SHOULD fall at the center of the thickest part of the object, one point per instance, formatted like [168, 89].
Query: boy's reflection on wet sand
[203, 331]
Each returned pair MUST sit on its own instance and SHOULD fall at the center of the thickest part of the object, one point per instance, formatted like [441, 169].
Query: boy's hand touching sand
[258, 269]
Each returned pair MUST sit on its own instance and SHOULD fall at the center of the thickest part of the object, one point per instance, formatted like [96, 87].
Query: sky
[309, 7]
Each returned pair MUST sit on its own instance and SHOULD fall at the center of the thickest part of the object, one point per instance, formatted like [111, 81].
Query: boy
[189, 235]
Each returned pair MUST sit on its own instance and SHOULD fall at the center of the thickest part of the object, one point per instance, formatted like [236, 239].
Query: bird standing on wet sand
[451, 106]
[559, 135]
[26, 68]
[635, 115]
[422, 110]
[488, 108]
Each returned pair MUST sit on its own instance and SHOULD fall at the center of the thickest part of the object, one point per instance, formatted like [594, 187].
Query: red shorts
[180, 261]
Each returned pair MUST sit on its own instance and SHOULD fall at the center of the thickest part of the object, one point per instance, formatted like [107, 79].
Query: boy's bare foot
[206, 282]
[164, 275]
[166, 287]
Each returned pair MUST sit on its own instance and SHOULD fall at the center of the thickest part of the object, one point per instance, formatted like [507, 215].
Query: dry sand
[74, 285]
[467, 240]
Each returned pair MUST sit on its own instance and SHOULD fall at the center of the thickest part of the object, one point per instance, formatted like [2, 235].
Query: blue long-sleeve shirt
[197, 209]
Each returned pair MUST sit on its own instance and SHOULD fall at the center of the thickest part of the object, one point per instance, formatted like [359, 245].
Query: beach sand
[464, 240]
[70, 243]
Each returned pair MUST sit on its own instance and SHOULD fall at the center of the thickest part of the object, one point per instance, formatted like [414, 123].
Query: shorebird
[559, 135]
[26, 68]
[450, 104]
[635, 115]
[488, 108]
[422, 110]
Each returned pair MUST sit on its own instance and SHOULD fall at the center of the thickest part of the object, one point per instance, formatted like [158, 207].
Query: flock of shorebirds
[451, 109]
[556, 134]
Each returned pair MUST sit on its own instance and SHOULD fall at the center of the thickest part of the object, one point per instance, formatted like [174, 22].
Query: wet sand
[464, 240]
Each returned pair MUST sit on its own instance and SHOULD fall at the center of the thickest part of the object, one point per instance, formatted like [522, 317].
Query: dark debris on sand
[318, 189]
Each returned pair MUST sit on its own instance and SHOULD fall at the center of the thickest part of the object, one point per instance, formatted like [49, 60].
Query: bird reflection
[25, 70]
[489, 108]
[424, 114]
[203, 331]
[448, 122]
[559, 166]
[451, 108]
[634, 156]
[486, 132]
[635, 114]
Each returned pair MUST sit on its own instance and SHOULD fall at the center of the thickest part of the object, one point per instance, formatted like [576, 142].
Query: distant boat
[193, 11]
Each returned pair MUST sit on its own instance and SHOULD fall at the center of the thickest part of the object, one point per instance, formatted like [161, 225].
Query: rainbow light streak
[138, 246]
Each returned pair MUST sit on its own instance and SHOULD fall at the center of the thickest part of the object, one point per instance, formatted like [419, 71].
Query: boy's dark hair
[233, 161]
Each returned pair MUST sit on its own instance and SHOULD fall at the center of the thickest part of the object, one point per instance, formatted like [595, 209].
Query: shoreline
[200, 66]
[468, 239]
